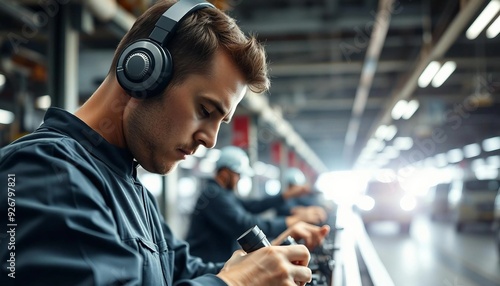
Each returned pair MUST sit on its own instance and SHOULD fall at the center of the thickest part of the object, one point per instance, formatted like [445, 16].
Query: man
[220, 217]
[79, 216]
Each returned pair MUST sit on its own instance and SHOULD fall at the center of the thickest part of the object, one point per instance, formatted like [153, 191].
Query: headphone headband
[167, 24]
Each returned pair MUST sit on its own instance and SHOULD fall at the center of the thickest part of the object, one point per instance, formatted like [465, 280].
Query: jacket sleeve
[188, 270]
[55, 203]
[228, 215]
[256, 206]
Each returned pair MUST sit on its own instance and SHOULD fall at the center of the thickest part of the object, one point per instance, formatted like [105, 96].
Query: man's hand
[311, 234]
[296, 191]
[273, 265]
[311, 214]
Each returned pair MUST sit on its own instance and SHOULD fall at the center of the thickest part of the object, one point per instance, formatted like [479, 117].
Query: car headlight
[408, 203]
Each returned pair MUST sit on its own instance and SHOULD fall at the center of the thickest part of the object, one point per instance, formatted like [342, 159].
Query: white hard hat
[294, 176]
[235, 159]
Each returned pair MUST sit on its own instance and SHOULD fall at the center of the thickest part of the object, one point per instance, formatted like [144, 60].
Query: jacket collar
[118, 159]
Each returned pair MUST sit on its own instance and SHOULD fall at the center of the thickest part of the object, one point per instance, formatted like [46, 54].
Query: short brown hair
[197, 39]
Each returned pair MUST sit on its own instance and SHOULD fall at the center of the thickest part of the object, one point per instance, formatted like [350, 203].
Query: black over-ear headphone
[144, 68]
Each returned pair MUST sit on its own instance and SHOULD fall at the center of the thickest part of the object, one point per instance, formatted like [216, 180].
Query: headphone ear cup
[144, 69]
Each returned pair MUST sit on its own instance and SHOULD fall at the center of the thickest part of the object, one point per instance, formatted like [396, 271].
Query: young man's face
[160, 133]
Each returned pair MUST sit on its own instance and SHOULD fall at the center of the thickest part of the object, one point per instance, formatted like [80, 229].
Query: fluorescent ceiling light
[477, 164]
[403, 143]
[441, 160]
[391, 131]
[381, 132]
[375, 145]
[491, 144]
[494, 29]
[455, 155]
[411, 108]
[483, 19]
[493, 161]
[472, 150]
[444, 72]
[391, 152]
[399, 109]
[428, 74]
[6, 117]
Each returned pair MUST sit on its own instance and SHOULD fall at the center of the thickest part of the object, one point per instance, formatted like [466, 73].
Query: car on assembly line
[386, 201]
[472, 201]
[438, 202]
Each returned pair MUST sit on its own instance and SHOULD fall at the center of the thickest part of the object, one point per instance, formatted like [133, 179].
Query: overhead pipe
[437, 51]
[377, 40]
[258, 104]
[108, 11]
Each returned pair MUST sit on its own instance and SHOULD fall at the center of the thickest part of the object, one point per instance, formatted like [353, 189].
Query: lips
[185, 153]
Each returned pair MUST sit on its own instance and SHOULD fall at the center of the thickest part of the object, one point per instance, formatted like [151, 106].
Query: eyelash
[204, 111]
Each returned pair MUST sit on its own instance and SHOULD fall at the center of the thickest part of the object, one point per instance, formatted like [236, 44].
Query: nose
[207, 135]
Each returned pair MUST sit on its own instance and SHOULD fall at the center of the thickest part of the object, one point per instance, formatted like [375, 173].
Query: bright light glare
[455, 155]
[260, 168]
[207, 166]
[444, 72]
[375, 145]
[429, 73]
[441, 160]
[472, 150]
[43, 102]
[493, 161]
[2, 80]
[408, 203]
[342, 186]
[213, 155]
[494, 29]
[272, 187]
[187, 187]
[411, 108]
[200, 152]
[491, 144]
[486, 173]
[6, 117]
[152, 182]
[381, 132]
[403, 143]
[365, 203]
[483, 19]
[399, 109]
[385, 175]
[391, 132]
[189, 163]
[244, 186]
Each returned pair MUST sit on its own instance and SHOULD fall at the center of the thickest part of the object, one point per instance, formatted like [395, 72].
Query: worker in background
[220, 217]
[295, 179]
[80, 216]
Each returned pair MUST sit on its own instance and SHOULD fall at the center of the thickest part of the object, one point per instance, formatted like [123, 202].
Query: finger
[238, 253]
[325, 230]
[301, 274]
[298, 254]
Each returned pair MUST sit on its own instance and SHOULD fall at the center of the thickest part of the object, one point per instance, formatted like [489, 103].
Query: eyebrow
[220, 109]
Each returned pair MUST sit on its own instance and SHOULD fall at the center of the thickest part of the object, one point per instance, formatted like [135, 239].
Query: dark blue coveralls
[83, 218]
[220, 217]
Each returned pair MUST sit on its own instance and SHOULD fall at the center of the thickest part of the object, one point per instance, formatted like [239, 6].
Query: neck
[104, 110]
